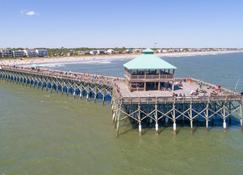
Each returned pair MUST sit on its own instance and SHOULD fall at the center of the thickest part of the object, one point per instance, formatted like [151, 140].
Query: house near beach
[109, 51]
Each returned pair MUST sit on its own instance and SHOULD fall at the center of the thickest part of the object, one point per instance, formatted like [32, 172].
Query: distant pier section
[150, 96]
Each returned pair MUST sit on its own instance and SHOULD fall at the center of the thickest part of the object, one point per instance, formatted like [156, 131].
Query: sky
[121, 23]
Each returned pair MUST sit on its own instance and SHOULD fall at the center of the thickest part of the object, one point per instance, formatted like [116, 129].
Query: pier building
[149, 72]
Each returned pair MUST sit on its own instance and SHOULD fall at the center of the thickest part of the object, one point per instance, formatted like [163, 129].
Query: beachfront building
[30, 53]
[164, 50]
[7, 53]
[109, 51]
[149, 72]
[19, 53]
[137, 51]
[94, 52]
[102, 52]
[42, 52]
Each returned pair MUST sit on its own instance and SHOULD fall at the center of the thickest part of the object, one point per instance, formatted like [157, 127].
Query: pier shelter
[149, 72]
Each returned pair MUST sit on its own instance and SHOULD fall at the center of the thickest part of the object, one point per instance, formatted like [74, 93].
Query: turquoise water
[44, 133]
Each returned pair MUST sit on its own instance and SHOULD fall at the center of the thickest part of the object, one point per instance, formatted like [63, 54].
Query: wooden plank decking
[207, 92]
[74, 76]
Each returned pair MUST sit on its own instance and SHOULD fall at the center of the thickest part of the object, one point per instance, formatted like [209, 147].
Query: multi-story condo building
[42, 52]
[19, 53]
[7, 53]
[31, 53]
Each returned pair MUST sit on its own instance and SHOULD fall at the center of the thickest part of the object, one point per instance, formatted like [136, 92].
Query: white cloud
[28, 12]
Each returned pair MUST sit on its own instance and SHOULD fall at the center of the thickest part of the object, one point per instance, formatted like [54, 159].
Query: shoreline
[70, 60]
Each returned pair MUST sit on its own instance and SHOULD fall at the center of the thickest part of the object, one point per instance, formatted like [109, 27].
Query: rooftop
[148, 61]
[148, 51]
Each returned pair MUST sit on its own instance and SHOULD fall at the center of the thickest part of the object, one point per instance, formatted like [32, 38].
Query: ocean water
[48, 133]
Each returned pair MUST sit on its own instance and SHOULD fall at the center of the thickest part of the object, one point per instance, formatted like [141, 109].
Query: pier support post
[95, 97]
[241, 114]
[206, 115]
[224, 124]
[140, 128]
[113, 116]
[118, 112]
[113, 111]
[87, 96]
[190, 113]
[117, 125]
[174, 118]
[224, 117]
[174, 126]
[103, 99]
[173, 86]
[139, 120]
[156, 119]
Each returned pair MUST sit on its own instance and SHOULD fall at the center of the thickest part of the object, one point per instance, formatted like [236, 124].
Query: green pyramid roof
[148, 61]
[148, 51]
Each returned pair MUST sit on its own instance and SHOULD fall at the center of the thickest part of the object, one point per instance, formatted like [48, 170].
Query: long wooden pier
[90, 86]
[194, 101]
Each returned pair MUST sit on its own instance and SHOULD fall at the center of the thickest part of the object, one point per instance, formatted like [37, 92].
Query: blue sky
[117, 23]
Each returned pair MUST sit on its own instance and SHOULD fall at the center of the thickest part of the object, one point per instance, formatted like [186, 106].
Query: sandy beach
[67, 60]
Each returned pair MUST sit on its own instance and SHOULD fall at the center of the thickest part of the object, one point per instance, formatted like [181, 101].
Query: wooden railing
[162, 100]
[136, 89]
[81, 77]
[136, 77]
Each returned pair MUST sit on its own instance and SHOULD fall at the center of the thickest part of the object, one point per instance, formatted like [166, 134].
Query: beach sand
[66, 60]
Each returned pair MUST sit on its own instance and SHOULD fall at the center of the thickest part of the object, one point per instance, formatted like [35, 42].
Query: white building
[42, 52]
[31, 53]
[7, 53]
[164, 50]
[94, 52]
[109, 51]
[19, 53]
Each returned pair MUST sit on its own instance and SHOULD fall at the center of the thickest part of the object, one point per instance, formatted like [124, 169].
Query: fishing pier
[149, 96]
[84, 85]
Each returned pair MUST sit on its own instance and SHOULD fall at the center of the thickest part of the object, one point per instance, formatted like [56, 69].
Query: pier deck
[68, 75]
[189, 90]
[90, 86]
